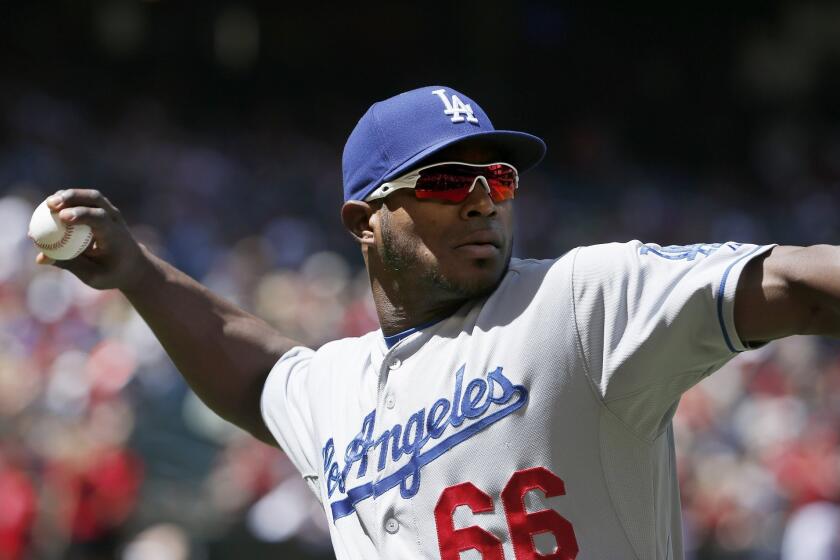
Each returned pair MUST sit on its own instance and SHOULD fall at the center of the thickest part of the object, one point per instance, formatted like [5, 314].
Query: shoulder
[537, 267]
[525, 274]
[636, 251]
[615, 249]
[344, 351]
[530, 276]
[348, 348]
[532, 281]
[307, 371]
[609, 258]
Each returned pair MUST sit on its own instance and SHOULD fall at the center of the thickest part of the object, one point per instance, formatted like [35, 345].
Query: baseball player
[507, 408]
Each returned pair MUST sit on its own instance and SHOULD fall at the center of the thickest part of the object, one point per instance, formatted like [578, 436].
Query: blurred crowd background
[217, 129]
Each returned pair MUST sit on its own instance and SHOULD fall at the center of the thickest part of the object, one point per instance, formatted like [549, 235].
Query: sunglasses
[454, 181]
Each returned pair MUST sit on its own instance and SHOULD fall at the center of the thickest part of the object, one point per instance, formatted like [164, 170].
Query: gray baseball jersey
[533, 423]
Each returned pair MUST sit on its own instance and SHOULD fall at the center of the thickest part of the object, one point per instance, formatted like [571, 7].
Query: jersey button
[395, 364]
[392, 526]
[390, 401]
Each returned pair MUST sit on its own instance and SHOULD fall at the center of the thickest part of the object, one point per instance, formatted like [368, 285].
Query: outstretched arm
[223, 352]
[791, 290]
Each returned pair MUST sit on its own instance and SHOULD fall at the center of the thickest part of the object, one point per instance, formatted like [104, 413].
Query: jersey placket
[394, 514]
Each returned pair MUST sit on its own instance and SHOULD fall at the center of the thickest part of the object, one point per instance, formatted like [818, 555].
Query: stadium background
[217, 129]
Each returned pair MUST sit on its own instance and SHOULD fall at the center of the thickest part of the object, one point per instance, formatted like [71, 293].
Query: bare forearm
[816, 276]
[793, 290]
[223, 352]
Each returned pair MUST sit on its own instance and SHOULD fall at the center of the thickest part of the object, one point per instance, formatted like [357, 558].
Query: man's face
[455, 250]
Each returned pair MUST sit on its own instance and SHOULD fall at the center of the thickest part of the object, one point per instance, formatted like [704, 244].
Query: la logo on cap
[457, 108]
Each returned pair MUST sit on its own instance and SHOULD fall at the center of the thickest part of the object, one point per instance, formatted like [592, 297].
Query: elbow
[246, 411]
[253, 424]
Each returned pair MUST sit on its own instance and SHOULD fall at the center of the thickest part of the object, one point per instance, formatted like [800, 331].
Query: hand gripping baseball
[113, 259]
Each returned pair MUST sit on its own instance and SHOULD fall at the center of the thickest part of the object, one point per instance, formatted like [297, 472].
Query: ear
[356, 216]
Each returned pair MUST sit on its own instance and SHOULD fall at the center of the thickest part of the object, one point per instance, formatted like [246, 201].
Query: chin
[474, 279]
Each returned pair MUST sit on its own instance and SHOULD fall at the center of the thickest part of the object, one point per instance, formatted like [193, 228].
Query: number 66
[523, 525]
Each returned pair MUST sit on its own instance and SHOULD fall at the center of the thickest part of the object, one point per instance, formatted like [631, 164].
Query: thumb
[81, 267]
[41, 258]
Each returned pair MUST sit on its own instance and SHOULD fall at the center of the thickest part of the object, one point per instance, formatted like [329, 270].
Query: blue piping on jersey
[391, 340]
[721, 290]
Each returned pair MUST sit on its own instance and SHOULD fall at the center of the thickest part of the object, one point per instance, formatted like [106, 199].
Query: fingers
[105, 230]
[83, 206]
[69, 198]
[41, 258]
[82, 267]
[84, 215]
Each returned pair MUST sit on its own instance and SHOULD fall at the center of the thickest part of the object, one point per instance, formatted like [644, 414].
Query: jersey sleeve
[286, 412]
[653, 321]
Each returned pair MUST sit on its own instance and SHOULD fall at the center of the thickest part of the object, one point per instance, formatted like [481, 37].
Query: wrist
[143, 273]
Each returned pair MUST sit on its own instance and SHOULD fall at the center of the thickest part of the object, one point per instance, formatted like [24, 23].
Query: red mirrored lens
[452, 182]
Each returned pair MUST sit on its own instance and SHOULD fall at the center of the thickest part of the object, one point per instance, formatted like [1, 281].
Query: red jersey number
[454, 541]
[522, 524]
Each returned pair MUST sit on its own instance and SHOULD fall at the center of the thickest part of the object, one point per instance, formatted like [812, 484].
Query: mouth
[481, 244]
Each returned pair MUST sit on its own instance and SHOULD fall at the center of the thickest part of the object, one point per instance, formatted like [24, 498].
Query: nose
[478, 203]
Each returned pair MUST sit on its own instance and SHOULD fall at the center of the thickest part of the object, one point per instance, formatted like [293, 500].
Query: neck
[401, 307]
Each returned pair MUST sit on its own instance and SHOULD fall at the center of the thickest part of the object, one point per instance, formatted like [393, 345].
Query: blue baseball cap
[400, 133]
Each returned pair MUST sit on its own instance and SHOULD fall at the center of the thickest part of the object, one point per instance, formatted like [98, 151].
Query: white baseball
[56, 239]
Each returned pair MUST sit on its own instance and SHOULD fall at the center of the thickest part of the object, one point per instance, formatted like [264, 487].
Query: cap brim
[520, 149]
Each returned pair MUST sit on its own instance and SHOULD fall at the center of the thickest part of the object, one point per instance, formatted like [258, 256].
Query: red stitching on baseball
[83, 245]
[60, 243]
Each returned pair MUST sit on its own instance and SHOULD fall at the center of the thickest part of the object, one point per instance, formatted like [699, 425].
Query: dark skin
[414, 249]
[223, 352]
[419, 271]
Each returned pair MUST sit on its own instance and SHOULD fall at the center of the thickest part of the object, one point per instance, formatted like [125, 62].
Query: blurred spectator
[813, 533]
[103, 451]
[17, 514]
